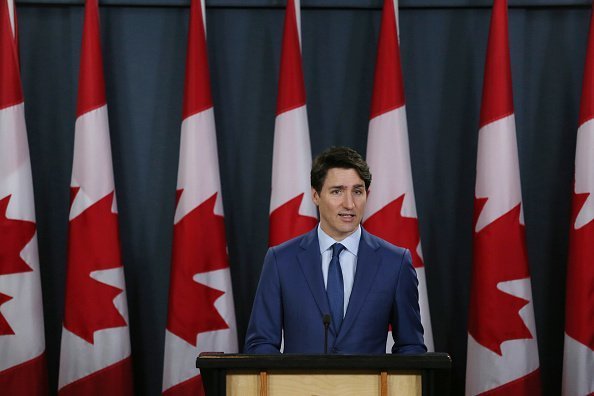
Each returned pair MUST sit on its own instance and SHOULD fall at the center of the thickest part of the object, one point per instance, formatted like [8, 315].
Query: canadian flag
[292, 211]
[201, 313]
[391, 212]
[578, 357]
[502, 350]
[22, 343]
[95, 351]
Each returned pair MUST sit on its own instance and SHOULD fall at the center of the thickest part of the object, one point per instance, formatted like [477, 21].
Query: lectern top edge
[294, 361]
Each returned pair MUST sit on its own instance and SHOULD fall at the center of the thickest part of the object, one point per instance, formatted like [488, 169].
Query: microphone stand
[326, 319]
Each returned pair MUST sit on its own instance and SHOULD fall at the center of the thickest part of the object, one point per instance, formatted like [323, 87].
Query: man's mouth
[347, 216]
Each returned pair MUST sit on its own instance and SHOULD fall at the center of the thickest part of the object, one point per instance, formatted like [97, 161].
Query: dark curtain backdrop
[443, 50]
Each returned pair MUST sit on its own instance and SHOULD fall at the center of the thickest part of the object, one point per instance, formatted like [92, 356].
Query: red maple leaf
[198, 246]
[16, 234]
[389, 224]
[5, 328]
[93, 245]
[286, 222]
[579, 321]
[499, 256]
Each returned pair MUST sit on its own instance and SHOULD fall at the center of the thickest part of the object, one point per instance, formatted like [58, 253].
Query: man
[337, 271]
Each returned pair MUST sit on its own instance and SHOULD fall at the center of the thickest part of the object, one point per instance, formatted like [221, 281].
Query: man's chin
[350, 225]
[346, 231]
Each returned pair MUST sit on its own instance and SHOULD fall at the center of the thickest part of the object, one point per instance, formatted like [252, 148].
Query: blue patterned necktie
[335, 287]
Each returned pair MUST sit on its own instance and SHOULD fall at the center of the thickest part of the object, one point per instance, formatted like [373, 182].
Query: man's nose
[348, 202]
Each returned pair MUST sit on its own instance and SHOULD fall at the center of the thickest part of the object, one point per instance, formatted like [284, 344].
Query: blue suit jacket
[291, 297]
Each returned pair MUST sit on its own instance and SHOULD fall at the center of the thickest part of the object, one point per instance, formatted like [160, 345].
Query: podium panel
[243, 383]
[403, 383]
[328, 375]
[369, 383]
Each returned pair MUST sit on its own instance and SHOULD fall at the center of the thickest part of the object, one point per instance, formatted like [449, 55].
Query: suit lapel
[310, 261]
[368, 261]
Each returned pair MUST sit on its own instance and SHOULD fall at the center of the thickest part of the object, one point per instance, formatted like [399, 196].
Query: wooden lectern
[325, 375]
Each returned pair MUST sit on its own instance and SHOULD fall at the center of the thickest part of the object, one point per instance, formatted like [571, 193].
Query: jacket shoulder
[385, 247]
[294, 245]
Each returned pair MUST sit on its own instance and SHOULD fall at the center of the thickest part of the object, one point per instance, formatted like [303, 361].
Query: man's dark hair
[338, 157]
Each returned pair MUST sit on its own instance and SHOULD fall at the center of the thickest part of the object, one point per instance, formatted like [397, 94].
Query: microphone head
[326, 319]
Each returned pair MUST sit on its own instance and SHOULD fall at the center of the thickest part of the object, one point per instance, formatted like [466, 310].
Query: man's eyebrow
[342, 187]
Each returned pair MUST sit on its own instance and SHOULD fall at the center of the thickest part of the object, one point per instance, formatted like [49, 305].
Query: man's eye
[334, 192]
[358, 192]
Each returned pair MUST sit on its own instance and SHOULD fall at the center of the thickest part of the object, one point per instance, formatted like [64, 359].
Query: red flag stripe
[91, 84]
[587, 102]
[10, 79]
[15, 27]
[197, 95]
[527, 385]
[114, 380]
[28, 378]
[497, 100]
[388, 87]
[291, 92]
[191, 387]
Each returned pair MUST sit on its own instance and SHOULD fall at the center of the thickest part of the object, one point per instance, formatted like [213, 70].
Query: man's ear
[315, 197]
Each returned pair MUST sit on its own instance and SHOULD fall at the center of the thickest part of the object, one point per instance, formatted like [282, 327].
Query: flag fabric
[502, 349]
[201, 312]
[391, 211]
[95, 350]
[292, 211]
[22, 343]
[578, 356]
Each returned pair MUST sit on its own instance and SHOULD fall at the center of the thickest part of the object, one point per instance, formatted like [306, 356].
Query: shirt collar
[351, 243]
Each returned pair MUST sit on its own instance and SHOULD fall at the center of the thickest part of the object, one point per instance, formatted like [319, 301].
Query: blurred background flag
[292, 211]
[22, 342]
[201, 315]
[391, 211]
[95, 350]
[502, 354]
[578, 353]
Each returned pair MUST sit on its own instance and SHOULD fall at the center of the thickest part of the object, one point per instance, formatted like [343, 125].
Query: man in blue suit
[337, 273]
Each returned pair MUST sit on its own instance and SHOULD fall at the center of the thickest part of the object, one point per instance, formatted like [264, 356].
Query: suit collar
[351, 243]
[310, 262]
[369, 239]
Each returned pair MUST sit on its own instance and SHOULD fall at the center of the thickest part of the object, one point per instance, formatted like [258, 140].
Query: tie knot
[336, 249]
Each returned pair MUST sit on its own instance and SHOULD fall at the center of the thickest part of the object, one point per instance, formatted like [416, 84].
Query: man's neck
[340, 237]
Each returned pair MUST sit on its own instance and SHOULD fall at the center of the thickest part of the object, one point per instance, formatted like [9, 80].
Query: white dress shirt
[347, 258]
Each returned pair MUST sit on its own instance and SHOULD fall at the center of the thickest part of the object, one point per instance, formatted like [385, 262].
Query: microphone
[326, 319]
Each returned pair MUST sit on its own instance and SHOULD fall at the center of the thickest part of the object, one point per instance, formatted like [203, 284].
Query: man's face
[341, 202]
